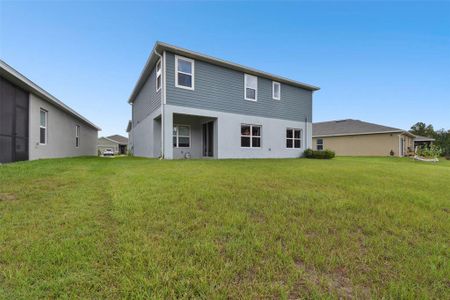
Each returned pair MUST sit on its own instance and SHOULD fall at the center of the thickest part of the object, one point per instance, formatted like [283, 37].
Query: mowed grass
[143, 228]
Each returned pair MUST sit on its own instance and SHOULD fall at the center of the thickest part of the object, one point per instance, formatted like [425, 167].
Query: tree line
[441, 136]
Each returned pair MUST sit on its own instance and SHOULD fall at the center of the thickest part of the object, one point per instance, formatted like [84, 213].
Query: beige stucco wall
[366, 145]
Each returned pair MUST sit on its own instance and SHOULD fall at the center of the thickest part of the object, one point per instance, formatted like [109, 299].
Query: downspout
[163, 82]
[306, 133]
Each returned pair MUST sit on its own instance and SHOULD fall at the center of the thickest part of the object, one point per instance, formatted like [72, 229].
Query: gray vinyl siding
[222, 89]
[147, 100]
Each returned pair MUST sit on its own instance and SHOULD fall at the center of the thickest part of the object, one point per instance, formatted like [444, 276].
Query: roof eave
[144, 74]
[106, 138]
[22, 81]
[353, 134]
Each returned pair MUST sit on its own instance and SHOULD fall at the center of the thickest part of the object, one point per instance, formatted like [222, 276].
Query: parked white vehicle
[108, 152]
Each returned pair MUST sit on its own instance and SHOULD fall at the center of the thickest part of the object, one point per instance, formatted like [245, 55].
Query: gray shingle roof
[420, 138]
[119, 139]
[349, 127]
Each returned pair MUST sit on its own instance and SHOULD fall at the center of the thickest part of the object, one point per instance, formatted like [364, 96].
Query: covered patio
[193, 136]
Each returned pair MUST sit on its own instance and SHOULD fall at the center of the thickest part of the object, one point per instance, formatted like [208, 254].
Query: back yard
[141, 228]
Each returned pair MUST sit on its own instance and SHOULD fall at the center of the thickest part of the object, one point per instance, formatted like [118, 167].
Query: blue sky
[383, 62]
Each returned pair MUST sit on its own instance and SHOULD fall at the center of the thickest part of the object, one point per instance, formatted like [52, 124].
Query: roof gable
[106, 139]
[160, 47]
[118, 139]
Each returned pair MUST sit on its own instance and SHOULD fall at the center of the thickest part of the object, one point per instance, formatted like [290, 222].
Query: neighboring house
[117, 143]
[130, 137]
[187, 104]
[34, 124]
[420, 141]
[357, 138]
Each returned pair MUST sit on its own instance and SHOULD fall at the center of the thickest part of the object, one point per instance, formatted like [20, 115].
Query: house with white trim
[190, 105]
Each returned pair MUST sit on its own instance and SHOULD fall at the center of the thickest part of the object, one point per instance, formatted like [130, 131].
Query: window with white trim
[319, 144]
[250, 87]
[77, 136]
[276, 90]
[250, 136]
[184, 73]
[293, 138]
[158, 75]
[181, 136]
[43, 127]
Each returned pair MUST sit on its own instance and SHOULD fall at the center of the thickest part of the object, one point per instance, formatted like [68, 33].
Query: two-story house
[190, 105]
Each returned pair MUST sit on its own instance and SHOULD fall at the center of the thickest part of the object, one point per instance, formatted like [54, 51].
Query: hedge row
[319, 154]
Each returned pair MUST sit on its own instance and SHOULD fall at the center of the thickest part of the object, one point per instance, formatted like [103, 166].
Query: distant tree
[443, 141]
[441, 136]
[422, 129]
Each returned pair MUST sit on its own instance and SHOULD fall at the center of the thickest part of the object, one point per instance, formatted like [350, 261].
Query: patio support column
[168, 134]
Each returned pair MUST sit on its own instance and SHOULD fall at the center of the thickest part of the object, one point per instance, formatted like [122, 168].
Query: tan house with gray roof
[357, 138]
[117, 143]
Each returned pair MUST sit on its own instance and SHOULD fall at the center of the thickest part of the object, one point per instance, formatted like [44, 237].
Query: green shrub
[308, 153]
[429, 152]
[319, 154]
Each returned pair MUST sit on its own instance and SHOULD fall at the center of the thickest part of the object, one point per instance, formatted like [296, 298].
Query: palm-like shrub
[429, 152]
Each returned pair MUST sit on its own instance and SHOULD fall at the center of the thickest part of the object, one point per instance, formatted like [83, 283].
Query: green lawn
[295, 228]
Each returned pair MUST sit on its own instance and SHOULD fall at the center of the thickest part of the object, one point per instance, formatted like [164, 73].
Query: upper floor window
[158, 76]
[276, 90]
[184, 73]
[250, 136]
[251, 87]
[293, 138]
[43, 127]
[319, 144]
[77, 136]
[181, 136]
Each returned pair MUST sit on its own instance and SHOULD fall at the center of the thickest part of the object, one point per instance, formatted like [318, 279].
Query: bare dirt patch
[7, 197]
[336, 283]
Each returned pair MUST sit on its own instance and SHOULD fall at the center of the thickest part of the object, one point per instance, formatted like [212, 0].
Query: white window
[181, 136]
[250, 136]
[43, 127]
[158, 76]
[293, 138]
[77, 136]
[251, 87]
[184, 73]
[276, 90]
[319, 144]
